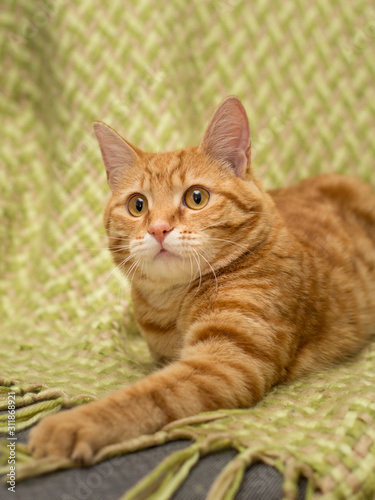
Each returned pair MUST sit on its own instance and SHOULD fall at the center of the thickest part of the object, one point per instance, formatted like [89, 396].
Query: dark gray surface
[112, 478]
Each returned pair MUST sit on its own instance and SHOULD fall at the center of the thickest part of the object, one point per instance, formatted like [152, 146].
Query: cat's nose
[160, 230]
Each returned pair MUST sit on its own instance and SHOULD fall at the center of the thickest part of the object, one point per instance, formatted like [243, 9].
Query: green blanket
[155, 71]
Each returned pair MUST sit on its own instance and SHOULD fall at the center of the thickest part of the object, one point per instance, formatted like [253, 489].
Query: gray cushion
[109, 480]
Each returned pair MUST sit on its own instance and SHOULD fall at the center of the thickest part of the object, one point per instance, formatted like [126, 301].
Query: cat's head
[177, 214]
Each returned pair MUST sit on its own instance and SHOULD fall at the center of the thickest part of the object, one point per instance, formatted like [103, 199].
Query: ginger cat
[237, 288]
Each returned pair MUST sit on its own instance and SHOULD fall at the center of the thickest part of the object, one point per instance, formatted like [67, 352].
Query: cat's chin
[169, 268]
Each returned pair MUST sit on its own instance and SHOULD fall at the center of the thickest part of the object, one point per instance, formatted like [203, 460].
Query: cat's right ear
[117, 154]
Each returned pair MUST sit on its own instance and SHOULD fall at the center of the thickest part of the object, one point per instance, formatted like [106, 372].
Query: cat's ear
[227, 138]
[117, 154]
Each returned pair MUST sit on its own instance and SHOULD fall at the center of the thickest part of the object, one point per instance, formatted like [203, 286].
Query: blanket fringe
[33, 403]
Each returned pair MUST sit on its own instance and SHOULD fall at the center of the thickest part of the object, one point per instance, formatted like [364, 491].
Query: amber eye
[137, 205]
[196, 198]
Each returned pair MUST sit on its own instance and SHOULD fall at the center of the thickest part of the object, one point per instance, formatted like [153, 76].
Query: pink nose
[159, 230]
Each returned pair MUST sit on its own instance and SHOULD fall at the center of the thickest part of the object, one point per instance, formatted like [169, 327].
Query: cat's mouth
[166, 254]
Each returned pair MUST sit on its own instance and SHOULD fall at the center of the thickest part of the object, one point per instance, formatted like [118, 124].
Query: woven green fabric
[305, 73]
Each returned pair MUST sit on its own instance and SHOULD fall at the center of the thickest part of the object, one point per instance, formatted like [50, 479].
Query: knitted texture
[305, 73]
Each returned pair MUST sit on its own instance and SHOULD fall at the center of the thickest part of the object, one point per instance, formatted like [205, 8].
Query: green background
[155, 71]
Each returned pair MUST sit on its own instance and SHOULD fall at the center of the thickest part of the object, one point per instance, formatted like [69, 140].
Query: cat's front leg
[80, 432]
[214, 373]
[76, 433]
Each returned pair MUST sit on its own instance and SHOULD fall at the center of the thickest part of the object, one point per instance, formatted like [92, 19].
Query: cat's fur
[252, 290]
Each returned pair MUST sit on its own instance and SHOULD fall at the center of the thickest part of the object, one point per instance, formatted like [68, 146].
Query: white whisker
[117, 268]
[229, 241]
[127, 275]
[199, 268]
[119, 250]
[131, 273]
[212, 269]
[191, 272]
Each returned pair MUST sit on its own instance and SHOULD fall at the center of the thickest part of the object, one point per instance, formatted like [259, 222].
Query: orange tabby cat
[240, 289]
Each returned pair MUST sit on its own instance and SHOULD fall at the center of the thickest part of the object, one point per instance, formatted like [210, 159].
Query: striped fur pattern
[252, 290]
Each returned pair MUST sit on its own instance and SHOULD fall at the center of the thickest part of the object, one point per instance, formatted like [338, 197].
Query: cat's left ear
[227, 138]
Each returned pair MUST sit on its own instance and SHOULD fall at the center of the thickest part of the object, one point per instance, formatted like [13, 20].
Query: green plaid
[155, 72]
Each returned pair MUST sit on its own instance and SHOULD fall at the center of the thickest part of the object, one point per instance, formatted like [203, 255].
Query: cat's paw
[75, 434]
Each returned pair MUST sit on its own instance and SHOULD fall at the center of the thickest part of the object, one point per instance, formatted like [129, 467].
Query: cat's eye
[137, 205]
[196, 198]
